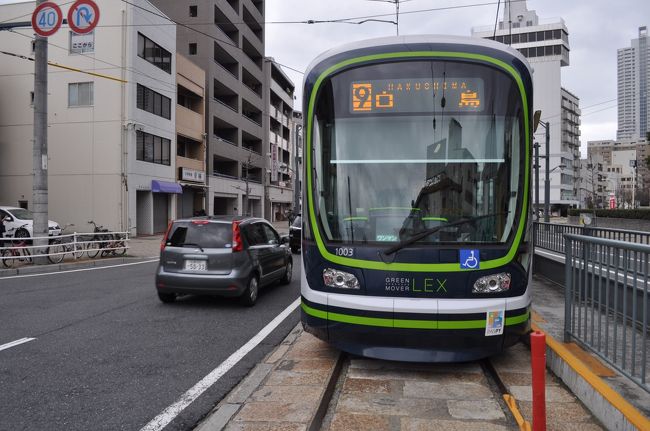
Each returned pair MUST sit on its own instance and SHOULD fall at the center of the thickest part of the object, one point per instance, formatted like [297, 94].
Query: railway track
[376, 394]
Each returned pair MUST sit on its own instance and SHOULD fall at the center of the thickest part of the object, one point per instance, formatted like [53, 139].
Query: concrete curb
[605, 403]
[219, 418]
[53, 268]
[316, 422]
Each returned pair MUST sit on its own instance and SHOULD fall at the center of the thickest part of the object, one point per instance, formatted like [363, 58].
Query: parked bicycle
[98, 241]
[63, 245]
[14, 251]
[116, 246]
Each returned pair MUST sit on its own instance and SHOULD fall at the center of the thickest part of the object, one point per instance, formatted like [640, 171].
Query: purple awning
[165, 187]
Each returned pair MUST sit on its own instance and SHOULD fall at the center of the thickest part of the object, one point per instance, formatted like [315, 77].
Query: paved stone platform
[289, 391]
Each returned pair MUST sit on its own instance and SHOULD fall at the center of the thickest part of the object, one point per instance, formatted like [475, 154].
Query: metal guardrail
[550, 236]
[606, 301]
[55, 248]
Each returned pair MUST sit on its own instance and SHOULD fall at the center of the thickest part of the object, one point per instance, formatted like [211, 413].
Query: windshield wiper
[418, 236]
[183, 244]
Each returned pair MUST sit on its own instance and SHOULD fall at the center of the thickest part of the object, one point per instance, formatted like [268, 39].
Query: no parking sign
[83, 16]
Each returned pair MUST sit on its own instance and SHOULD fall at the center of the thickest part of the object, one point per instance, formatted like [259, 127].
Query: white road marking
[168, 415]
[16, 343]
[78, 270]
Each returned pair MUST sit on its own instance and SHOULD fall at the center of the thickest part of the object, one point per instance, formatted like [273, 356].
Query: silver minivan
[221, 255]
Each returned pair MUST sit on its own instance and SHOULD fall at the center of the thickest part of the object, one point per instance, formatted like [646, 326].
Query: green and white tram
[416, 201]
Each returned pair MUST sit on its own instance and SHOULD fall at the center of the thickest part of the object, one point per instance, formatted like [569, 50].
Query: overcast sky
[597, 28]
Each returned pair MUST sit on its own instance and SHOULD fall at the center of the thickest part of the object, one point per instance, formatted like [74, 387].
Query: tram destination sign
[417, 95]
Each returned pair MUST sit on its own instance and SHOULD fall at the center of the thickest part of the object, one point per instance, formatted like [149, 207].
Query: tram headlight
[340, 279]
[494, 283]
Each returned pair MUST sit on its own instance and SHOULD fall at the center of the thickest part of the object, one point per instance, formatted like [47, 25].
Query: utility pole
[296, 170]
[39, 158]
[547, 182]
[247, 191]
[536, 146]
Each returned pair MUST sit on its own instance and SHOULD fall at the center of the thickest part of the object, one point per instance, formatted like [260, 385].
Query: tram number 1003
[344, 251]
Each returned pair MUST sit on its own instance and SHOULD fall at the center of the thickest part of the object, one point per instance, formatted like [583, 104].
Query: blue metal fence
[606, 301]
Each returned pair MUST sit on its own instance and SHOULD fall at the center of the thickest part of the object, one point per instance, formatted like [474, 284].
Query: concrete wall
[615, 223]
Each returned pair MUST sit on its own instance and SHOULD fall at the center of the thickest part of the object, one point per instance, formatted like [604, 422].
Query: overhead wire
[171, 89]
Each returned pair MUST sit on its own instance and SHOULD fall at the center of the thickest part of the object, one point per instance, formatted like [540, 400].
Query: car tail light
[164, 240]
[237, 244]
[200, 221]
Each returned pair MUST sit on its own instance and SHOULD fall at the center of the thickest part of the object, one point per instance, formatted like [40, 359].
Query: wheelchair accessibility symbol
[470, 259]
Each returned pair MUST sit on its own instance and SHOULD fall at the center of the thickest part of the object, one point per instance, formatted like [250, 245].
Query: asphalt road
[109, 355]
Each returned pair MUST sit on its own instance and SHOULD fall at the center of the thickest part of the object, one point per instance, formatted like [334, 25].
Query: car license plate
[195, 265]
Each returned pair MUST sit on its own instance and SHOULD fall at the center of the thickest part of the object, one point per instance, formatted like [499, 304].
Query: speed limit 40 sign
[47, 19]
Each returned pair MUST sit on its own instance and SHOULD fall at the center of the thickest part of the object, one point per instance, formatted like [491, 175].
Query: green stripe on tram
[407, 323]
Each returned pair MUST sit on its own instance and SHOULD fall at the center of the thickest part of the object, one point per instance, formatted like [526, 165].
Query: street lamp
[547, 181]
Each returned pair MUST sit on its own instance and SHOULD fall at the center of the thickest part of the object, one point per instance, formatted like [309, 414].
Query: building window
[80, 94]
[194, 11]
[152, 149]
[193, 49]
[152, 102]
[154, 53]
[31, 98]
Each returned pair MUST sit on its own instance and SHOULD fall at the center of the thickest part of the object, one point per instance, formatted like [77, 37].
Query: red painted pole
[538, 364]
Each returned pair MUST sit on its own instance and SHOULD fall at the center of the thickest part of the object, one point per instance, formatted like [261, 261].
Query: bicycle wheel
[93, 248]
[56, 253]
[120, 247]
[25, 255]
[8, 259]
[78, 252]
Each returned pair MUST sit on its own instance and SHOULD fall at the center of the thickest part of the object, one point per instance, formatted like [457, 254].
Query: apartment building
[545, 44]
[110, 143]
[190, 137]
[298, 134]
[625, 168]
[279, 99]
[230, 49]
[633, 83]
[569, 147]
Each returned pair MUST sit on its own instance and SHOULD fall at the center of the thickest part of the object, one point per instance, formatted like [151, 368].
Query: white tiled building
[111, 145]
[545, 44]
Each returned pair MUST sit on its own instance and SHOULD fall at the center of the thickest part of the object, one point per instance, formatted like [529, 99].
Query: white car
[18, 222]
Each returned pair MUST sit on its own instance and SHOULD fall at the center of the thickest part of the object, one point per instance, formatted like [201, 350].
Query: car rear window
[201, 233]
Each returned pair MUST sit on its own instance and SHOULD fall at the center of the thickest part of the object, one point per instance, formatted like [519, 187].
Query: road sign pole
[39, 184]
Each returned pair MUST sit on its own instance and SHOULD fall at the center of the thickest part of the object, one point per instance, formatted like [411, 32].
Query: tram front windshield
[401, 148]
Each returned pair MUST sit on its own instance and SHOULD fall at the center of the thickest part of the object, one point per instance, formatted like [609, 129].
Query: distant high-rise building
[633, 83]
[545, 44]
